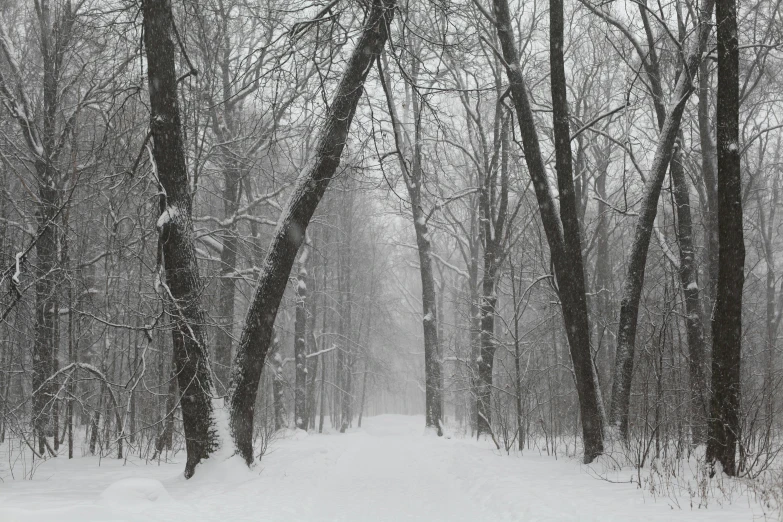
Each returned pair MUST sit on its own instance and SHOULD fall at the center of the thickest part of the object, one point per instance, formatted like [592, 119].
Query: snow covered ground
[387, 471]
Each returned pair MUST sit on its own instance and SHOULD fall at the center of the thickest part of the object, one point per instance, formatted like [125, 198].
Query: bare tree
[309, 189]
[724, 424]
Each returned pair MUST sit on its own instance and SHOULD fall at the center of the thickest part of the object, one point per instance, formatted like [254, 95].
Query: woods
[222, 222]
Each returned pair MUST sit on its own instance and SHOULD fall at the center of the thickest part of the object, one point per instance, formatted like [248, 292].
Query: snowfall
[387, 470]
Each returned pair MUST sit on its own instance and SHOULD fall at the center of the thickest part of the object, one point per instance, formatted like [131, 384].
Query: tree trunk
[278, 384]
[413, 177]
[182, 288]
[634, 282]
[300, 345]
[289, 235]
[166, 437]
[708, 173]
[346, 313]
[690, 289]
[570, 281]
[226, 282]
[724, 422]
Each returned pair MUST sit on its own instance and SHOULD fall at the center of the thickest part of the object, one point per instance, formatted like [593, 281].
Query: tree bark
[724, 422]
[182, 287]
[301, 416]
[690, 288]
[278, 384]
[289, 235]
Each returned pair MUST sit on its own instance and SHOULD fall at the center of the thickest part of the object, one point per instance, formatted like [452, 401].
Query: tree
[411, 165]
[665, 148]
[724, 421]
[561, 232]
[301, 415]
[309, 189]
[176, 250]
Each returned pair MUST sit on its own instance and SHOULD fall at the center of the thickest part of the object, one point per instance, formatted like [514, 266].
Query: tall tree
[411, 165]
[724, 421]
[176, 251]
[300, 344]
[637, 259]
[289, 235]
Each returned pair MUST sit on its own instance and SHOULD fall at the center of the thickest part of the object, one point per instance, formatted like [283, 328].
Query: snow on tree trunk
[278, 384]
[182, 286]
[493, 205]
[301, 416]
[289, 235]
[724, 422]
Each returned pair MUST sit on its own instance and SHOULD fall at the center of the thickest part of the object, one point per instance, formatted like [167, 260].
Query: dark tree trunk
[46, 313]
[182, 287]
[724, 422]
[708, 172]
[570, 282]
[257, 333]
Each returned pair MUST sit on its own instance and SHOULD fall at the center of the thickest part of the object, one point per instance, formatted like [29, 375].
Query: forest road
[390, 470]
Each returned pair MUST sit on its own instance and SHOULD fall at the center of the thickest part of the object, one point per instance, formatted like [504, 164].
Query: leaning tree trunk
[289, 235]
[724, 423]
[563, 247]
[634, 282]
[182, 286]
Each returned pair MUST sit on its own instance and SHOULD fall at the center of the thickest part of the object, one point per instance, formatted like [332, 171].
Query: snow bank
[135, 492]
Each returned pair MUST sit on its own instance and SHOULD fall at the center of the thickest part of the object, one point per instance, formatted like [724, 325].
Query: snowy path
[386, 472]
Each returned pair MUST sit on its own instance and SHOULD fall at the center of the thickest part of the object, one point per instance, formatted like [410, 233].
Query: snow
[134, 492]
[386, 471]
[167, 216]
[692, 286]
[18, 271]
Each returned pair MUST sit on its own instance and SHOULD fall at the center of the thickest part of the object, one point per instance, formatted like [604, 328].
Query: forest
[528, 242]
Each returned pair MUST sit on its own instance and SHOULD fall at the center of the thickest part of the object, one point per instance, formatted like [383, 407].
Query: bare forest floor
[388, 470]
